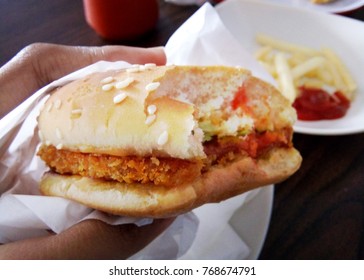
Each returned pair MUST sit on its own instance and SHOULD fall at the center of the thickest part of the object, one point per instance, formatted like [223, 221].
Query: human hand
[39, 64]
[89, 239]
[34, 67]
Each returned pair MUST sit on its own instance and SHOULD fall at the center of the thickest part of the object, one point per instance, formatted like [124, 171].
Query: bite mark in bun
[157, 141]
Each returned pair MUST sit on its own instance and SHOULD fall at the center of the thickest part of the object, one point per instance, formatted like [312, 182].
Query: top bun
[144, 110]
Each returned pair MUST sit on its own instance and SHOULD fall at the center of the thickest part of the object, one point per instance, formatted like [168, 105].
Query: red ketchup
[314, 104]
[241, 100]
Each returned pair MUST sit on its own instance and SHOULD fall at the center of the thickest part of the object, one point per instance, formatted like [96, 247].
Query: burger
[158, 141]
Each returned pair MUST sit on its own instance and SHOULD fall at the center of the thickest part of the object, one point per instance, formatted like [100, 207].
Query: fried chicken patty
[162, 171]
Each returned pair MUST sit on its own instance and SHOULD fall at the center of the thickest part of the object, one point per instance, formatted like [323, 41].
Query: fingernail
[160, 52]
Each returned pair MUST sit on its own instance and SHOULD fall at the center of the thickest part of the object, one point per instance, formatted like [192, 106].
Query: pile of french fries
[294, 66]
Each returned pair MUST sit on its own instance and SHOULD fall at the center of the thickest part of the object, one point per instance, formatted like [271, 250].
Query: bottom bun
[146, 200]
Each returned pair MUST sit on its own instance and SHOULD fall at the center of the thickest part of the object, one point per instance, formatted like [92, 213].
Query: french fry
[294, 66]
[262, 53]
[309, 82]
[285, 78]
[282, 45]
[323, 75]
[307, 66]
[338, 82]
[341, 68]
[297, 58]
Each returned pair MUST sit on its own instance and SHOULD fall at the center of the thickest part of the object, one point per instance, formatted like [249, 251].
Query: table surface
[318, 213]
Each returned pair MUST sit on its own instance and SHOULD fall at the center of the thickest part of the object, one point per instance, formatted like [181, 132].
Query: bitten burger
[158, 141]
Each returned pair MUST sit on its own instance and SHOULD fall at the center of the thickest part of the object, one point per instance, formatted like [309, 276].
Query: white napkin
[202, 234]
[24, 213]
[204, 40]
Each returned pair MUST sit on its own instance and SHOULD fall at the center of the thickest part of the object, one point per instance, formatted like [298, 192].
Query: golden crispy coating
[129, 169]
[163, 171]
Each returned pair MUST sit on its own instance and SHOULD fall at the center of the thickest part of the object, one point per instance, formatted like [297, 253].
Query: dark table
[317, 214]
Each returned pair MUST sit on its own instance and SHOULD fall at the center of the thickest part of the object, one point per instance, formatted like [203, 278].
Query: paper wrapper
[24, 213]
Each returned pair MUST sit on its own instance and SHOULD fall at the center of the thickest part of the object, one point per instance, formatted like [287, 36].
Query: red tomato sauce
[254, 144]
[240, 98]
[314, 104]
[257, 144]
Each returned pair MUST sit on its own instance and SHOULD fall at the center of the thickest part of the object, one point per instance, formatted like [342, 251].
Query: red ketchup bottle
[121, 19]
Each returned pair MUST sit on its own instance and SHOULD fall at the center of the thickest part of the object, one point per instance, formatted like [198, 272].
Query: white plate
[246, 18]
[338, 6]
